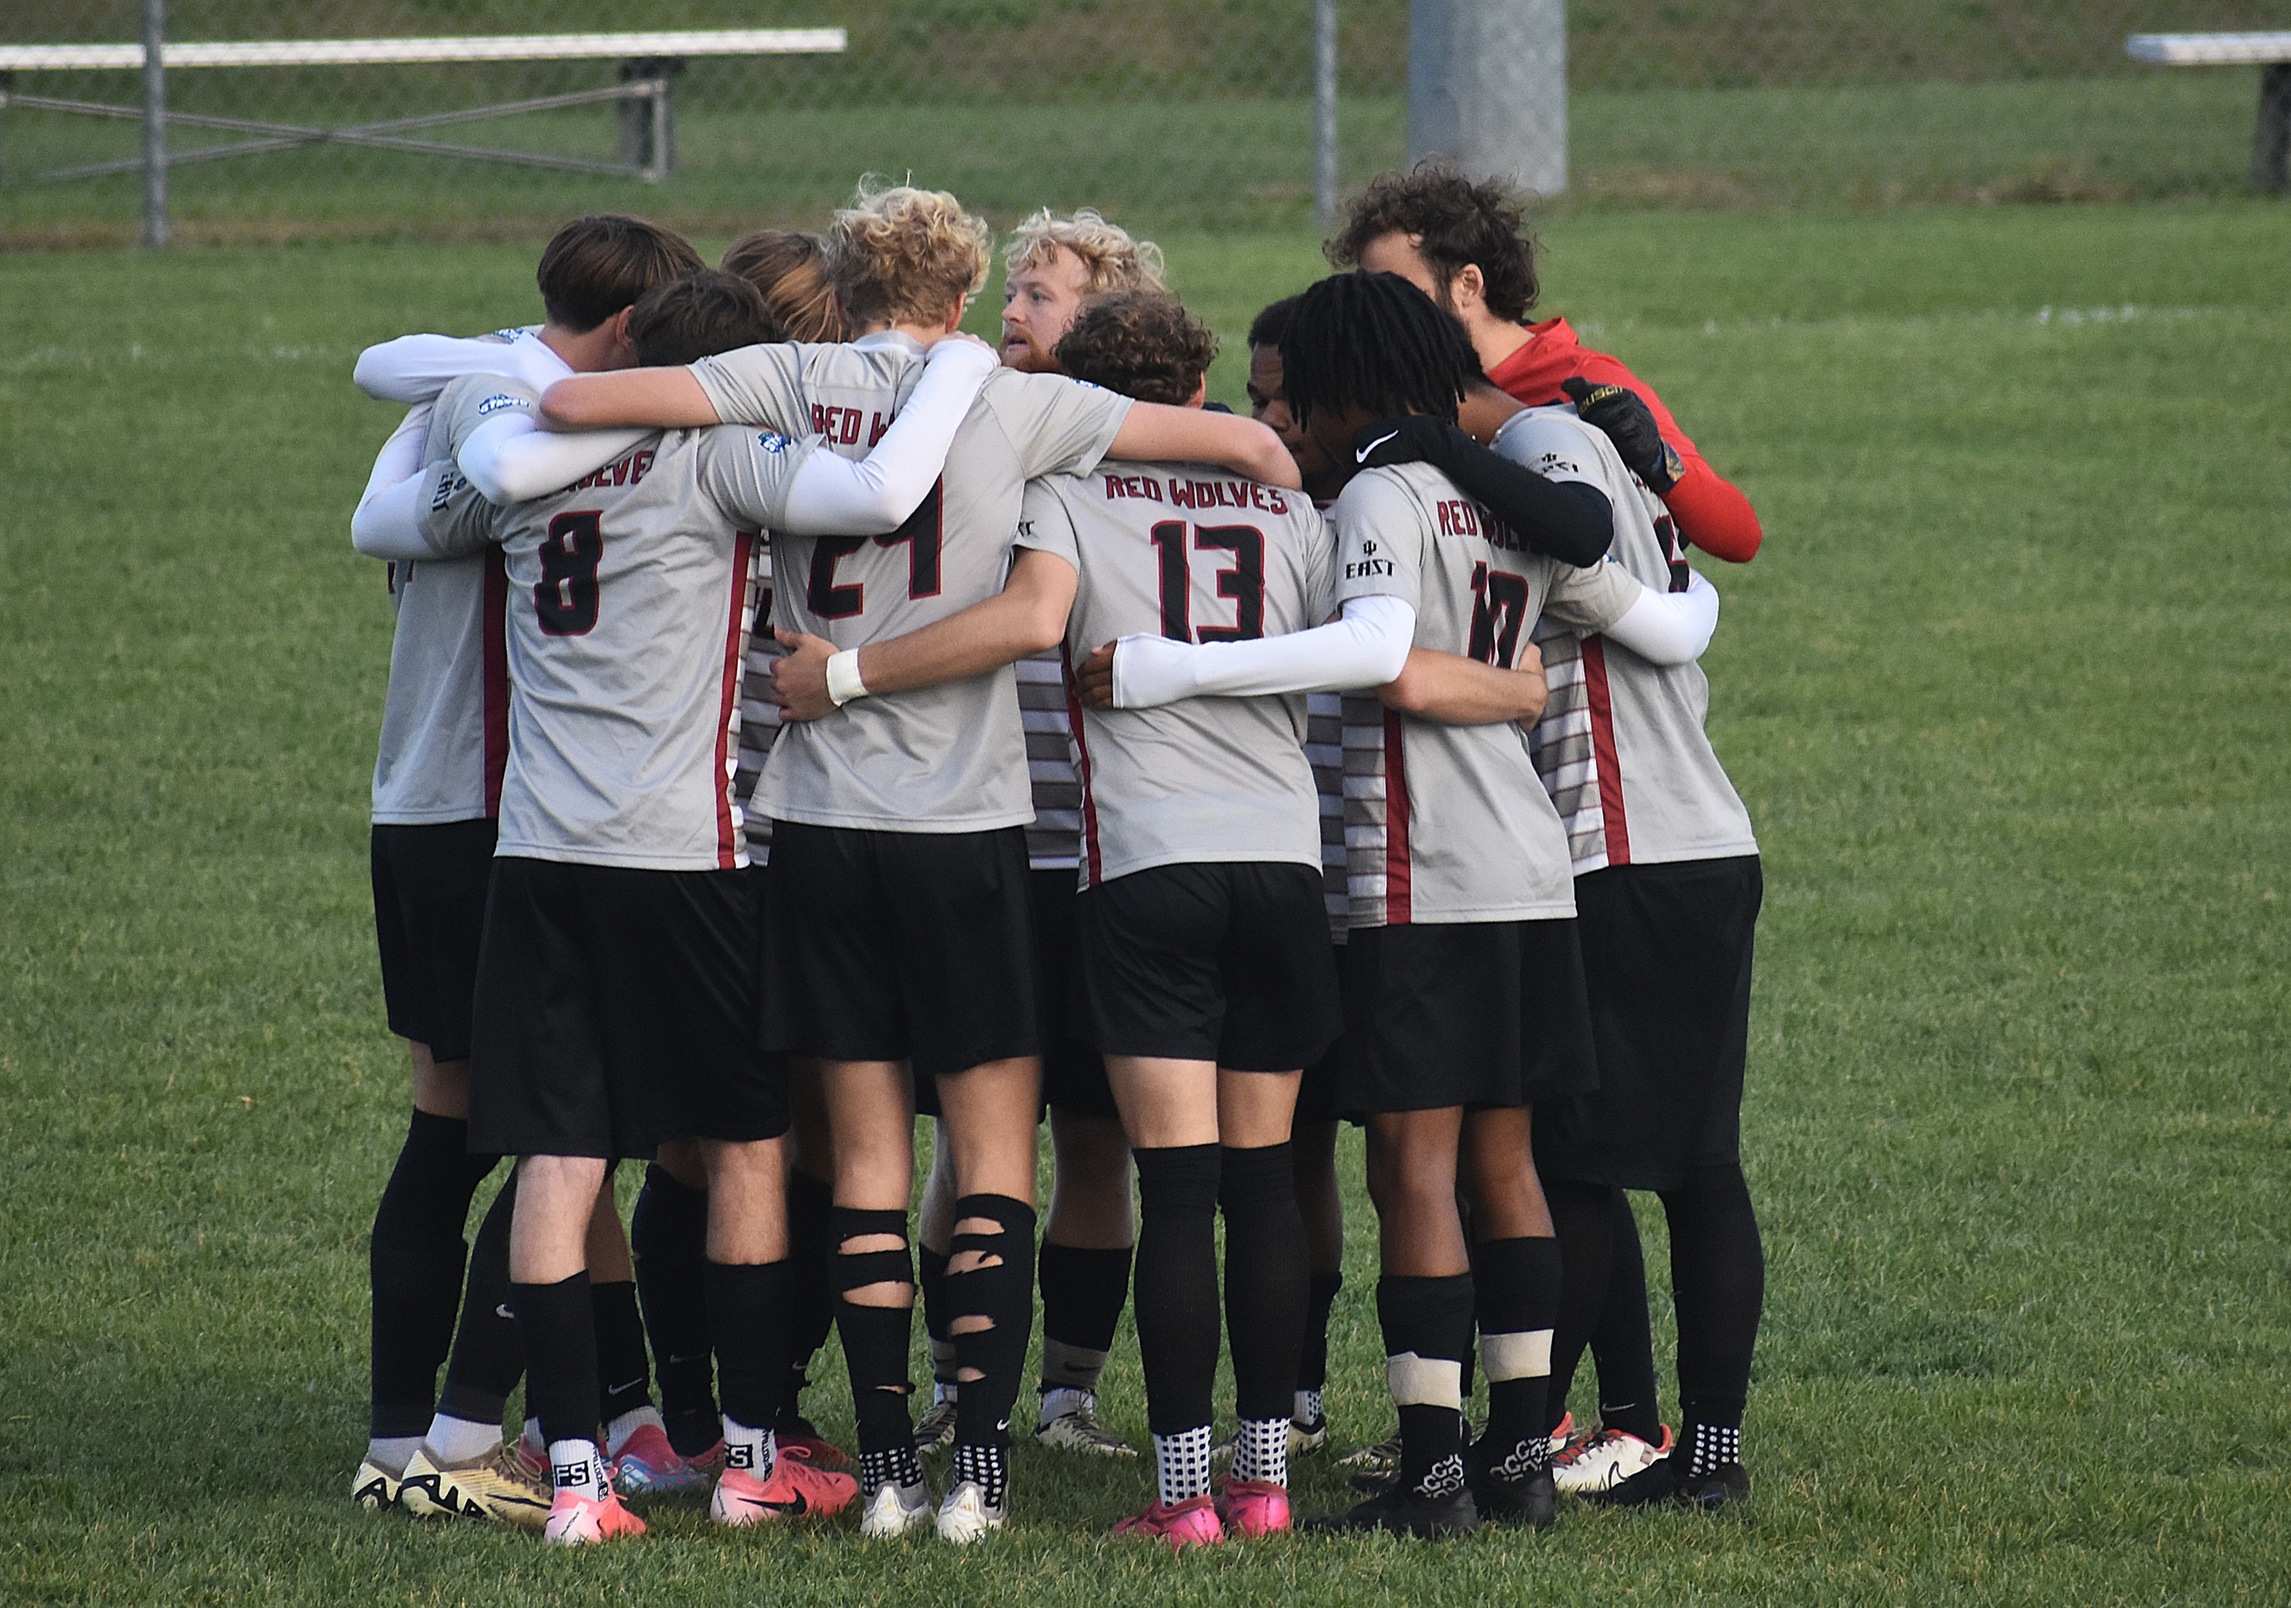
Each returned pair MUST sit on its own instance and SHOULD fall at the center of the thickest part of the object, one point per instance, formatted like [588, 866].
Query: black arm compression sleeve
[1566, 520]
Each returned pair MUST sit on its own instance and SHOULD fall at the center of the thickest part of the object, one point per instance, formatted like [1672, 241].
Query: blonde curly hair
[900, 254]
[1111, 259]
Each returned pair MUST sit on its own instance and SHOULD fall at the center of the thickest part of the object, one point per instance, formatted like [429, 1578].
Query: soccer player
[1204, 936]
[1053, 268]
[790, 268]
[617, 987]
[901, 929]
[436, 788]
[1463, 979]
[1466, 246]
[1667, 887]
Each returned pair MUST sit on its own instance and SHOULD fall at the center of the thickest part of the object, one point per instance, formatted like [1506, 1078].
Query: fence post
[1487, 87]
[154, 123]
[1324, 113]
[2271, 135]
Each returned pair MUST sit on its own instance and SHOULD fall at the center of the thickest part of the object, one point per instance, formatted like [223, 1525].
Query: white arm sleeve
[401, 455]
[1366, 648]
[414, 368]
[388, 524]
[1669, 627]
[832, 496]
[511, 459]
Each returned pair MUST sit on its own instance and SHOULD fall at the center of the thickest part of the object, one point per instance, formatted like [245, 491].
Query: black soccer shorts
[429, 914]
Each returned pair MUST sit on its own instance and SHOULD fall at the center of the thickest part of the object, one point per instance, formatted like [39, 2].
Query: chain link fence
[1172, 114]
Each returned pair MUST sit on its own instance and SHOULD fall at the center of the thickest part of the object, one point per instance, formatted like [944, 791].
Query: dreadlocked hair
[1377, 343]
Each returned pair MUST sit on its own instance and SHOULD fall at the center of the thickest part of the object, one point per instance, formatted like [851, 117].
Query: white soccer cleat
[896, 1510]
[966, 1515]
[1605, 1460]
[1082, 1430]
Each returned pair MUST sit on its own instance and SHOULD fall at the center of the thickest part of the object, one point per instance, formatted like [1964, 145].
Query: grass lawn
[2004, 693]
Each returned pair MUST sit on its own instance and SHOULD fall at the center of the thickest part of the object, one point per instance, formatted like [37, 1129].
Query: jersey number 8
[565, 597]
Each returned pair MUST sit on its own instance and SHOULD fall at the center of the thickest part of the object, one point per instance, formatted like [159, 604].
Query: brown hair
[903, 254]
[1455, 224]
[1141, 344]
[790, 268]
[597, 265]
[703, 313]
[1112, 259]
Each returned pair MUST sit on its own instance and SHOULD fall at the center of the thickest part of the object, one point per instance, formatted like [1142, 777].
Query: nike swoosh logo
[630, 1385]
[793, 1510]
[503, 1311]
[1362, 454]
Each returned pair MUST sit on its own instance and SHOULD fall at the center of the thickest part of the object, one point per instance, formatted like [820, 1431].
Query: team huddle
[803, 717]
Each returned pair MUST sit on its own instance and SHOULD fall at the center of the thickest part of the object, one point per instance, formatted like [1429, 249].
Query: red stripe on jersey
[496, 677]
[727, 841]
[1090, 859]
[1399, 871]
[1618, 827]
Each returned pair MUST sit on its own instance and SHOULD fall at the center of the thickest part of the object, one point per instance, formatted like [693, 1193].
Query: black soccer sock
[748, 1309]
[1177, 1308]
[990, 1357]
[488, 1355]
[811, 1284]
[668, 1239]
[1266, 1282]
[624, 1372]
[1517, 1286]
[933, 1286]
[1427, 1324]
[1083, 1291]
[1623, 1340]
[560, 1330]
[875, 1341]
[1582, 1217]
[1718, 1280]
[1320, 1299]
[415, 1263]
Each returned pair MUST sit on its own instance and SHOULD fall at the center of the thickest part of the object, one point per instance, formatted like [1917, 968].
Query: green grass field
[2004, 692]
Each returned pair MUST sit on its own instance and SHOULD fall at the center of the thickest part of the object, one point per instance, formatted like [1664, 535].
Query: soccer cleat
[895, 1510]
[1562, 1433]
[498, 1487]
[966, 1515]
[1381, 1458]
[1604, 1460]
[1652, 1486]
[935, 1430]
[530, 1450]
[1306, 1439]
[1251, 1508]
[1525, 1499]
[795, 1491]
[1727, 1487]
[802, 1441]
[374, 1487]
[1082, 1430]
[649, 1466]
[1401, 1511]
[579, 1521]
[1193, 1522]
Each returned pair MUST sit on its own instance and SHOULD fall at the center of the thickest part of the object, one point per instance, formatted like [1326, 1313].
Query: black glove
[1630, 424]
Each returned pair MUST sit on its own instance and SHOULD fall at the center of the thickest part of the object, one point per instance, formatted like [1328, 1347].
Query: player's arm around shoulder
[812, 679]
[1664, 628]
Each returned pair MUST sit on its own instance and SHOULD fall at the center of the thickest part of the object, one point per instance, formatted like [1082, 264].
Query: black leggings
[1718, 1282]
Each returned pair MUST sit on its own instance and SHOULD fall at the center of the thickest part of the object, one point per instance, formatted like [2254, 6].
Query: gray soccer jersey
[760, 723]
[1621, 746]
[1450, 823]
[445, 721]
[1054, 840]
[949, 758]
[1196, 555]
[630, 599]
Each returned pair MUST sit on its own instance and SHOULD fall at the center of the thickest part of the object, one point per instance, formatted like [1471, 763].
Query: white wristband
[843, 683]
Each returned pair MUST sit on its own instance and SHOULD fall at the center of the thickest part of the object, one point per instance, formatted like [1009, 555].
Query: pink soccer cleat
[796, 1490]
[1250, 1508]
[579, 1521]
[1190, 1523]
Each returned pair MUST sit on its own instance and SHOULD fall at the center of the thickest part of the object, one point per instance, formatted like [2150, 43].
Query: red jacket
[1710, 512]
